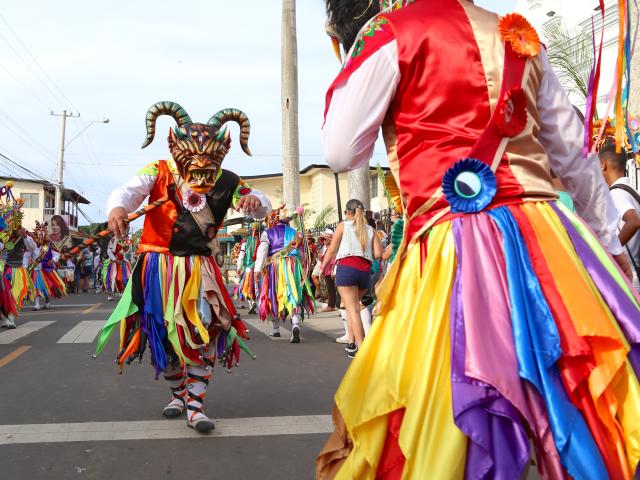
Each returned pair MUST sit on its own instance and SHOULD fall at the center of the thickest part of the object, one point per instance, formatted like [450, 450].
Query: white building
[39, 202]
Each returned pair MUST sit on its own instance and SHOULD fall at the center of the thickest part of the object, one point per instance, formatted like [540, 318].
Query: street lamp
[63, 146]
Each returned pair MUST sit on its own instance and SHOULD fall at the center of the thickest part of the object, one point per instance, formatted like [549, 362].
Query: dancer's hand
[248, 204]
[116, 221]
[623, 263]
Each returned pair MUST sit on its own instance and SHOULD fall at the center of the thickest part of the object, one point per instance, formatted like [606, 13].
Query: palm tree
[570, 56]
[325, 217]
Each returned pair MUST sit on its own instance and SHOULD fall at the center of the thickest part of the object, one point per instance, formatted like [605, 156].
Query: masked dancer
[506, 321]
[17, 283]
[176, 301]
[116, 269]
[46, 280]
[245, 265]
[282, 265]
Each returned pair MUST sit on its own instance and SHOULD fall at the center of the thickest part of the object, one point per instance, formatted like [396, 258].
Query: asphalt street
[65, 415]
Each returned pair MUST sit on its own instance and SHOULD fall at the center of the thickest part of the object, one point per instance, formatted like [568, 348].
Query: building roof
[304, 171]
[67, 193]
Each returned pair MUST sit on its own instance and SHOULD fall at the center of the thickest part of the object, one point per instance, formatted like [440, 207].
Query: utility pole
[59, 184]
[359, 185]
[289, 93]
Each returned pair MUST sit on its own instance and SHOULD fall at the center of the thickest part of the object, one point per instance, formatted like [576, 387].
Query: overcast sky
[115, 59]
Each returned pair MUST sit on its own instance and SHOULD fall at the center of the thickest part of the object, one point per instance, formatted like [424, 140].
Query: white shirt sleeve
[241, 255]
[261, 212]
[31, 246]
[562, 134]
[131, 195]
[111, 249]
[261, 254]
[358, 108]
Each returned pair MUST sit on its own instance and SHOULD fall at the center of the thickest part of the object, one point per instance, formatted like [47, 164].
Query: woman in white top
[355, 245]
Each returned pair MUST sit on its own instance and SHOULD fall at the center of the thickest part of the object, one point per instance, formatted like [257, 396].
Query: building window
[31, 200]
[374, 187]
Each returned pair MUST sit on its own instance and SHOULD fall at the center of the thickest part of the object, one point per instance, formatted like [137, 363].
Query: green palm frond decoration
[324, 217]
[381, 176]
[570, 56]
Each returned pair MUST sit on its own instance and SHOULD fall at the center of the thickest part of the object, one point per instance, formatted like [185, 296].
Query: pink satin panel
[489, 337]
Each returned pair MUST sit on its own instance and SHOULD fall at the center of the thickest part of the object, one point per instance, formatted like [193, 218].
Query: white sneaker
[201, 423]
[295, 334]
[174, 409]
[342, 339]
[110, 298]
[47, 305]
[8, 323]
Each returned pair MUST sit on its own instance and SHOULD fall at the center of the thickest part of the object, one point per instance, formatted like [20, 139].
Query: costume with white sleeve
[116, 269]
[245, 266]
[283, 261]
[176, 301]
[503, 322]
[46, 280]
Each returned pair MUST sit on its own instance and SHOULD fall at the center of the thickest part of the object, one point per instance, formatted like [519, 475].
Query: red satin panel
[438, 122]
[392, 459]
[442, 103]
[158, 223]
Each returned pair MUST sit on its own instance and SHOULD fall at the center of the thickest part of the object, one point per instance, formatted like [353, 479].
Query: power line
[42, 102]
[33, 58]
[30, 172]
[31, 69]
[86, 217]
[29, 141]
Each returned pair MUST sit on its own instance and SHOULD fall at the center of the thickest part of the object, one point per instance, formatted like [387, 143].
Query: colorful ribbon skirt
[500, 332]
[180, 308]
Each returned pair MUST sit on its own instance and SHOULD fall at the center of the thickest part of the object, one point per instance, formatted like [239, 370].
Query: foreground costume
[518, 329]
[116, 269]
[283, 261]
[176, 301]
[46, 281]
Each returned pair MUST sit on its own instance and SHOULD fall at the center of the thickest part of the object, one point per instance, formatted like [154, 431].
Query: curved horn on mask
[172, 109]
[232, 114]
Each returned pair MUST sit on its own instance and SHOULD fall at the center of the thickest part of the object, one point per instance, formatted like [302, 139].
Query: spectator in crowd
[627, 202]
[395, 236]
[354, 245]
[86, 269]
[97, 267]
[316, 274]
[327, 274]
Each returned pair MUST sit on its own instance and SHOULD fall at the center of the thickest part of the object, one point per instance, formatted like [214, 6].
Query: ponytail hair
[356, 207]
[361, 227]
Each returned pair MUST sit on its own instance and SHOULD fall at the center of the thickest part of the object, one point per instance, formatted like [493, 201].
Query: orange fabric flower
[516, 30]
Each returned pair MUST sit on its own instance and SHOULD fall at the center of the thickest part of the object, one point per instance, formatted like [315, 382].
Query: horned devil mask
[197, 148]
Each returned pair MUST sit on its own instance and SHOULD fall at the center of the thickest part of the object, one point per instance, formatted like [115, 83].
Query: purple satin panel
[498, 446]
[275, 235]
[623, 309]
[46, 259]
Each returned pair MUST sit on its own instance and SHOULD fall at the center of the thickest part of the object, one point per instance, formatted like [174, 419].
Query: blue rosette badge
[469, 186]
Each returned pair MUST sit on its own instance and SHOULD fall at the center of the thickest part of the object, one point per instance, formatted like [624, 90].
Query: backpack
[631, 191]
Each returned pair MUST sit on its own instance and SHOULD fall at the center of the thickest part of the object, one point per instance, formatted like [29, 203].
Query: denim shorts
[352, 277]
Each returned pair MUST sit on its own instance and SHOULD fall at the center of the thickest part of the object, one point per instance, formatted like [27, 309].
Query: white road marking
[83, 332]
[22, 330]
[265, 327]
[162, 429]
